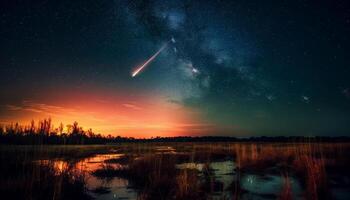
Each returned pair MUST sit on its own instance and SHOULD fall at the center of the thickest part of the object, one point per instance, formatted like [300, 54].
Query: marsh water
[177, 171]
[267, 186]
[98, 188]
[255, 186]
[209, 171]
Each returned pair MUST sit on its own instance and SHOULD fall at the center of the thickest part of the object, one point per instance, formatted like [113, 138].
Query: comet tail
[135, 72]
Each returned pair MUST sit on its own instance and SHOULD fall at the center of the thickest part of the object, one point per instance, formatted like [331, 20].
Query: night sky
[238, 68]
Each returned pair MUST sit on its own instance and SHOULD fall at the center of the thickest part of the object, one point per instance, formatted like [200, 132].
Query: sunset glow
[174, 68]
[131, 116]
[174, 99]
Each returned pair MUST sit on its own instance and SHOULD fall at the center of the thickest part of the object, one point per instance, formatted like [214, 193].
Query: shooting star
[140, 68]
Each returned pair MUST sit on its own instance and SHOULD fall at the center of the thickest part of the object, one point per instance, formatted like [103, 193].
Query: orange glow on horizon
[141, 116]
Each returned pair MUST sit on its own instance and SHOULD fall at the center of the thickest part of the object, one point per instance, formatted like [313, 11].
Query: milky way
[237, 67]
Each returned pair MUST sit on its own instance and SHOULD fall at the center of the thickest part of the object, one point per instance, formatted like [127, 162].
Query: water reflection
[96, 162]
[165, 149]
[223, 174]
[117, 188]
[99, 188]
[255, 186]
[267, 186]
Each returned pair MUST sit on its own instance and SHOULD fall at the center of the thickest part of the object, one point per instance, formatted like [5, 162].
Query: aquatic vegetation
[178, 171]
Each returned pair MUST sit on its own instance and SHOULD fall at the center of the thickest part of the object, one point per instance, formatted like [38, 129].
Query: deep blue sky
[246, 67]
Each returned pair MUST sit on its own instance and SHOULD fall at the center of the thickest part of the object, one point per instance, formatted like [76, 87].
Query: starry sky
[237, 68]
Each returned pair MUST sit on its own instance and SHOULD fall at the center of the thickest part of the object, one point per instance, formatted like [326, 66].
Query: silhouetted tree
[45, 133]
[60, 128]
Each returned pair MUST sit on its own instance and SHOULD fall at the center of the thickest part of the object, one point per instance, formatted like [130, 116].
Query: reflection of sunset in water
[86, 165]
[118, 187]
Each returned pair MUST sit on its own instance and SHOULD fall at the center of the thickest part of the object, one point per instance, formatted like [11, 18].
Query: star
[306, 99]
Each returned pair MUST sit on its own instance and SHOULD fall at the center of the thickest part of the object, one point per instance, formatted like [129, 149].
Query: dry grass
[155, 176]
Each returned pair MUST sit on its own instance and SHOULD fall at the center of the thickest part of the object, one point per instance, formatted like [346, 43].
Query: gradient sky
[239, 68]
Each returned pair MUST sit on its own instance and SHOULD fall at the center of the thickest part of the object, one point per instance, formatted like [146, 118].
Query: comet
[140, 68]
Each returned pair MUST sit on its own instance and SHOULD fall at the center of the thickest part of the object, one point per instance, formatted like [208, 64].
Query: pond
[267, 186]
[99, 188]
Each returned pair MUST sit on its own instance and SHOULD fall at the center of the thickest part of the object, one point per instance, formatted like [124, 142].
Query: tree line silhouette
[44, 132]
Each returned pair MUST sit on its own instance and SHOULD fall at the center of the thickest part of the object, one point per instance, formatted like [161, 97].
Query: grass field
[176, 171]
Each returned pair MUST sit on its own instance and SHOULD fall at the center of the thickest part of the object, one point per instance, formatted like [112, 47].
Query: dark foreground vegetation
[48, 165]
[176, 170]
[44, 132]
[24, 176]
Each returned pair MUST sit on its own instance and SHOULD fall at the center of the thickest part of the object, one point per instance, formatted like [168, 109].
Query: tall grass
[154, 173]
